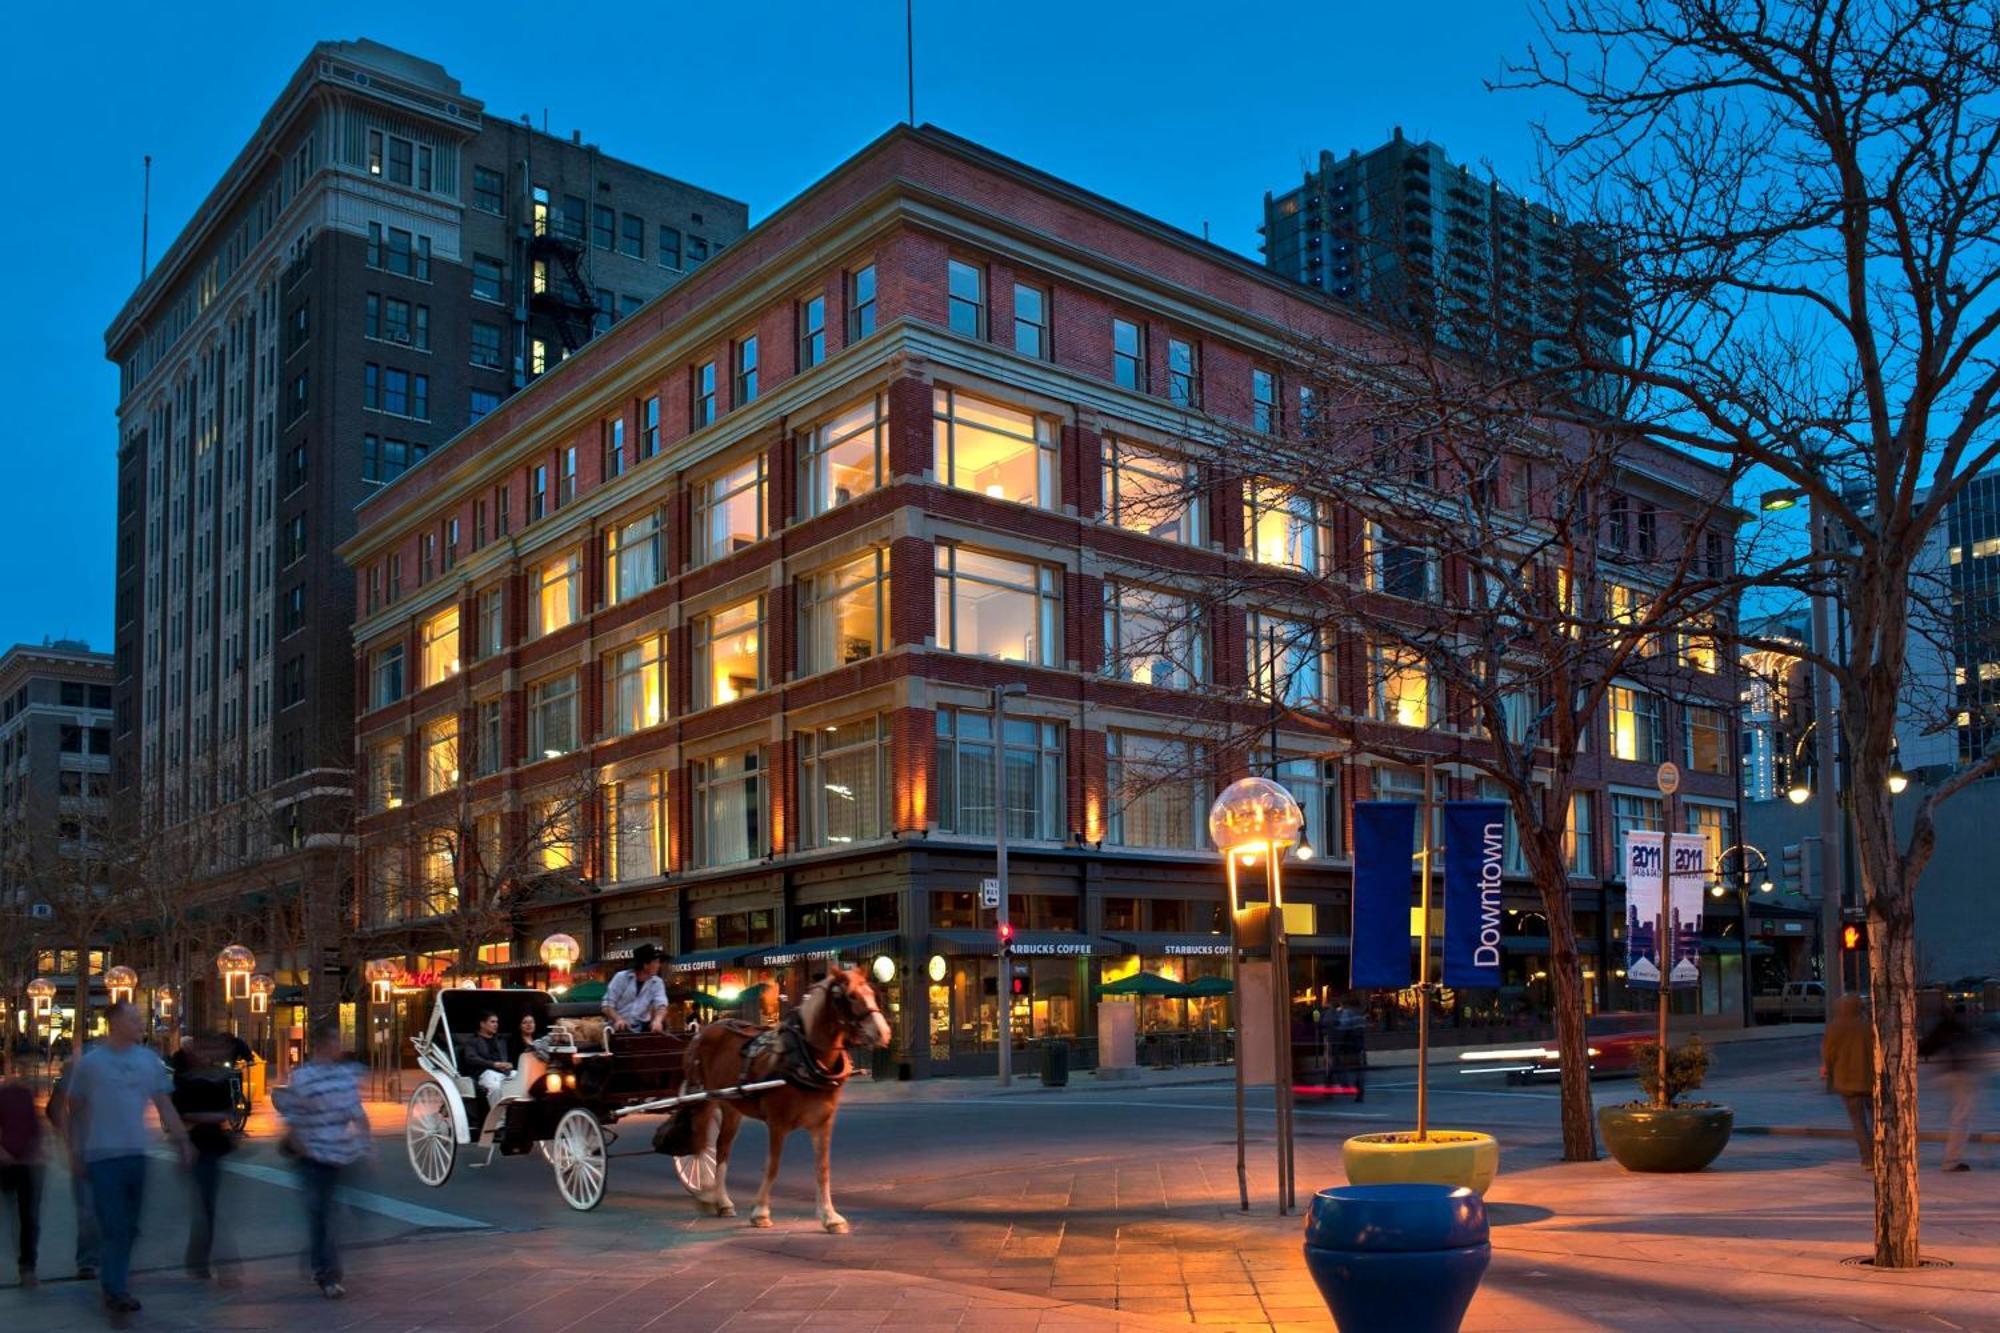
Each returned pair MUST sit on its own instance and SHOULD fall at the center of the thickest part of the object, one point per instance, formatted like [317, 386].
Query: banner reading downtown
[1383, 833]
[1643, 855]
[1475, 854]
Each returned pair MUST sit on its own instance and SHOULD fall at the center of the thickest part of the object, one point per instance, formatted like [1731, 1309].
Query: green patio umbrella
[1203, 987]
[1144, 983]
[583, 992]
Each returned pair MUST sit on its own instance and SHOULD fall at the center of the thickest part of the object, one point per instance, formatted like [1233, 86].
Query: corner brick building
[693, 641]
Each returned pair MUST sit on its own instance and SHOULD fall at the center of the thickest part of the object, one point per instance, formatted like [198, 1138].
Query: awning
[1027, 944]
[1731, 948]
[708, 960]
[1317, 943]
[622, 952]
[820, 950]
[1169, 943]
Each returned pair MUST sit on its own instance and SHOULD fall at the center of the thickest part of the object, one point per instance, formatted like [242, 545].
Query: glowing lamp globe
[235, 963]
[560, 953]
[121, 981]
[42, 994]
[260, 988]
[381, 974]
[1254, 812]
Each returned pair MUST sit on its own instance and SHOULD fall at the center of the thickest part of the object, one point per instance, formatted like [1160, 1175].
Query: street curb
[1829, 1132]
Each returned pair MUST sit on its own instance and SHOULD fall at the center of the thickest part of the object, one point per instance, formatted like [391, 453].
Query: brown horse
[809, 1051]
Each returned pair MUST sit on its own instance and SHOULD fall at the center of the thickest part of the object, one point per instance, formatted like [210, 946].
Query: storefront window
[1034, 760]
[728, 929]
[845, 916]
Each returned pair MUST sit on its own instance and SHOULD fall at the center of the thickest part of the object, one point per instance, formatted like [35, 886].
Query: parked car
[1798, 1002]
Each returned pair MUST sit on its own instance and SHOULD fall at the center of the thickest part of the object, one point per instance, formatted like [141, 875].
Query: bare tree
[1803, 198]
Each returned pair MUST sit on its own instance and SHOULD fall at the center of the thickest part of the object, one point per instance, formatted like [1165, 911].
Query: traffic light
[1020, 986]
[1006, 936]
[1793, 875]
[1850, 937]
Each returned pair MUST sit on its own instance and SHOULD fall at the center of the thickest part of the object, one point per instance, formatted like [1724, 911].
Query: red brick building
[698, 632]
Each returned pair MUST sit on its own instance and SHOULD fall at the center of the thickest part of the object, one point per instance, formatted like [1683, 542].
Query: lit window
[1153, 638]
[1158, 793]
[632, 557]
[998, 451]
[552, 716]
[1151, 492]
[441, 755]
[729, 510]
[844, 456]
[1635, 725]
[439, 641]
[729, 654]
[844, 614]
[552, 595]
[844, 782]
[993, 607]
[1402, 687]
[636, 686]
[1281, 526]
[1288, 660]
[385, 776]
[729, 816]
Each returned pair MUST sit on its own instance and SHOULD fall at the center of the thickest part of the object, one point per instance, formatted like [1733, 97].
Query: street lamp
[259, 988]
[42, 995]
[381, 974]
[1898, 780]
[235, 964]
[559, 953]
[1256, 816]
[120, 982]
[1744, 851]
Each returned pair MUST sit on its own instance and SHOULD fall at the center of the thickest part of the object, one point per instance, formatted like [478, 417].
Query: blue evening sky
[1174, 108]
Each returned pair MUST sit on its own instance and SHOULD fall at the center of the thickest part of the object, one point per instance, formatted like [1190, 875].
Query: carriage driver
[636, 997]
[486, 1055]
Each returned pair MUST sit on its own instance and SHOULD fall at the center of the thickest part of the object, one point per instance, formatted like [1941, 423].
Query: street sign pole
[1669, 779]
[1003, 987]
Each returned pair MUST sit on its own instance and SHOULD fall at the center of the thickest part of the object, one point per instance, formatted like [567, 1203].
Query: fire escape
[561, 307]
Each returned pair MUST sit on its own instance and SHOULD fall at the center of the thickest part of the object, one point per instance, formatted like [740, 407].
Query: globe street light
[235, 964]
[120, 982]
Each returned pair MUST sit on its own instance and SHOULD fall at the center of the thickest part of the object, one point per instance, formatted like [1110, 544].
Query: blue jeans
[205, 1180]
[321, 1181]
[117, 1189]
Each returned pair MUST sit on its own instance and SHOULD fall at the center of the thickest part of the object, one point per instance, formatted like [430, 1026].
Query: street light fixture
[120, 983]
[235, 964]
[1898, 780]
[1775, 501]
[42, 995]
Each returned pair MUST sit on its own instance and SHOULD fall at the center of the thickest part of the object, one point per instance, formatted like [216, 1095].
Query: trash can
[1397, 1258]
[1055, 1064]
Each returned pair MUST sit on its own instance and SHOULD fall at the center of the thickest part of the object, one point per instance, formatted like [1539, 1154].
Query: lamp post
[559, 954]
[1256, 817]
[1743, 852]
[42, 996]
[121, 983]
[235, 964]
[1003, 986]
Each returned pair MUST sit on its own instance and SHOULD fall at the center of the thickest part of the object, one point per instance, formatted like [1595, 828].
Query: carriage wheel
[577, 1153]
[695, 1171]
[427, 1133]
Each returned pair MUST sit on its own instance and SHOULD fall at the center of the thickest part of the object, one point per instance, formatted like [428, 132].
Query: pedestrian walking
[87, 1241]
[21, 1168]
[327, 1131]
[1960, 1051]
[201, 1095]
[1847, 1063]
[106, 1122]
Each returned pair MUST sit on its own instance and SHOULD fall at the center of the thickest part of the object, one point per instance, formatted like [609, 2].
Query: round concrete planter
[1447, 1157]
[1679, 1138]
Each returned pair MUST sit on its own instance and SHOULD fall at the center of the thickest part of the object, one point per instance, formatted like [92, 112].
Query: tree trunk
[1892, 956]
[1579, 1127]
[81, 1029]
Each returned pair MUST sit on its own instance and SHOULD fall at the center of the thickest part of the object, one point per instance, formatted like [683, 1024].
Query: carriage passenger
[524, 1036]
[486, 1055]
[636, 997]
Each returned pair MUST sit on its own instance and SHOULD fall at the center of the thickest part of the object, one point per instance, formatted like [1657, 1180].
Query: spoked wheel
[695, 1171]
[428, 1134]
[577, 1153]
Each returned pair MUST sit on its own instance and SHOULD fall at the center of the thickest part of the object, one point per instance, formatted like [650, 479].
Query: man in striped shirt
[328, 1131]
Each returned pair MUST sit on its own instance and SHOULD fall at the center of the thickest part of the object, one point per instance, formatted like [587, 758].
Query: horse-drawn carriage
[563, 1098]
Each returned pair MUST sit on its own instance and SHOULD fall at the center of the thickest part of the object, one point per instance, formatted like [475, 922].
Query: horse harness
[792, 1057]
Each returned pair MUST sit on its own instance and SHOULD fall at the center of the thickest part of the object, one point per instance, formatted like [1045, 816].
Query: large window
[1033, 756]
[557, 841]
[1315, 785]
[1031, 321]
[486, 345]
[1698, 646]
[1396, 567]
[844, 456]
[553, 593]
[1400, 686]
[844, 613]
[844, 782]
[439, 641]
[1151, 492]
[632, 557]
[1153, 637]
[729, 510]
[729, 653]
[1631, 813]
[989, 606]
[489, 747]
[1636, 730]
[1158, 789]
[1128, 354]
[966, 284]
[1629, 606]
[388, 675]
[385, 776]
[1705, 739]
[1281, 526]
[492, 621]
[998, 451]
[1513, 860]
[1579, 846]
[635, 686]
[729, 796]
[1713, 824]
[552, 716]
[1288, 660]
[636, 834]
[441, 755]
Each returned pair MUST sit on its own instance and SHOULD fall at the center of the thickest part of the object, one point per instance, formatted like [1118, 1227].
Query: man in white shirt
[636, 997]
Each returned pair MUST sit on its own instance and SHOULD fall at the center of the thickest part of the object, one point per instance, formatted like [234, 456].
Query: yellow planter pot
[1447, 1157]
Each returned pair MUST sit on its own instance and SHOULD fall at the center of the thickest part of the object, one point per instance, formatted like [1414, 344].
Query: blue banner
[1475, 856]
[1383, 833]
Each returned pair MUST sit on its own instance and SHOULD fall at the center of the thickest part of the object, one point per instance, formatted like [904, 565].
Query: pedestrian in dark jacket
[21, 1168]
[201, 1095]
[1960, 1054]
[1847, 1061]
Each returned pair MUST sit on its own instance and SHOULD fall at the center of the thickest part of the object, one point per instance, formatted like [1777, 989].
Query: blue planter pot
[1397, 1258]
